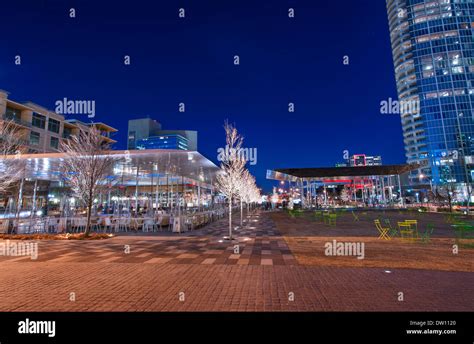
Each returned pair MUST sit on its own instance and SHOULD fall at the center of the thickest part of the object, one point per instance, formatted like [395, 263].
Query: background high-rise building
[146, 133]
[433, 54]
[172, 141]
[139, 129]
[365, 160]
[361, 160]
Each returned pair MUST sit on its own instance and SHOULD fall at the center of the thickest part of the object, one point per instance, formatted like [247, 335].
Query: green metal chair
[426, 236]
[318, 215]
[463, 229]
[326, 217]
[332, 219]
[299, 213]
[393, 231]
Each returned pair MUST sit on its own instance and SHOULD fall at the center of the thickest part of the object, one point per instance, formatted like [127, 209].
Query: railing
[16, 120]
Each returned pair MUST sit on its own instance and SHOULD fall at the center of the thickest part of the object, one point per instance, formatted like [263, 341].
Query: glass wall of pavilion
[140, 183]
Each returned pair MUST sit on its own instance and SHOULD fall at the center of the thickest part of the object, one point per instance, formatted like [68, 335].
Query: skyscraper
[146, 133]
[433, 54]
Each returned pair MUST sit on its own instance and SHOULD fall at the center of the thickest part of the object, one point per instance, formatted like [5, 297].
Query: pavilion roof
[340, 172]
[156, 162]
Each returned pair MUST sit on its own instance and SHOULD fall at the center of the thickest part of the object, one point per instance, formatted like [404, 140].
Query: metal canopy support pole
[20, 196]
[33, 206]
[157, 199]
[354, 190]
[19, 204]
[373, 189]
[150, 199]
[363, 191]
[303, 200]
[307, 195]
[136, 190]
[325, 195]
[171, 194]
[378, 189]
[383, 191]
[182, 196]
[168, 193]
[108, 200]
[199, 195]
[400, 190]
[389, 187]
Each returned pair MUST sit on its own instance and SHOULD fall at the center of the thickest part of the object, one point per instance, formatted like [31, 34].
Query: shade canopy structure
[368, 185]
[293, 174]
[144, 164]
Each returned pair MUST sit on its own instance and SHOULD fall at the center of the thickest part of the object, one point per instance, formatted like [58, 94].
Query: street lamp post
[422, 176]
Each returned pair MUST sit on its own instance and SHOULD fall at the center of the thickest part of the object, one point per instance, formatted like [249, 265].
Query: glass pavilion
[140, 182]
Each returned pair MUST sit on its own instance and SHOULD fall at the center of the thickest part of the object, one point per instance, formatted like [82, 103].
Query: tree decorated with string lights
[87, 162]
[232, 168]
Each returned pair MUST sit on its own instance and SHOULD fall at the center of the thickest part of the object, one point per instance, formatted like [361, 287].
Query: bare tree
[11, 147]
[345, 197]
[232, 168]
[243, 191]
[447, 192]
[248, 192]
[86, 165]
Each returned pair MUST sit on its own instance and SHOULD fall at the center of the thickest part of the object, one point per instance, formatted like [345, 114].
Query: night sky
[190, 60]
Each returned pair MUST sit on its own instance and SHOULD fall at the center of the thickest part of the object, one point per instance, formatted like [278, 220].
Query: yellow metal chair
[406, 231]
[413, 226]
[382, 230]
[355, 217]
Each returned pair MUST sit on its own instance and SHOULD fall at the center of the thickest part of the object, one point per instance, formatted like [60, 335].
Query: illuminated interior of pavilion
[366, 185]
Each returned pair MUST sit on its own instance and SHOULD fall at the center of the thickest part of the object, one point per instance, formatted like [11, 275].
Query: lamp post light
[421, 176]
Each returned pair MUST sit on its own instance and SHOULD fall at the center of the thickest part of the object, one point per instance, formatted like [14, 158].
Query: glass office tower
[433, 54]
[172, 141]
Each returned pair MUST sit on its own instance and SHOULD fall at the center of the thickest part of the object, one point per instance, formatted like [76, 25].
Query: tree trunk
[88, 224]
[450, 203]
[230, 219]
[241, 213]
[469, 191]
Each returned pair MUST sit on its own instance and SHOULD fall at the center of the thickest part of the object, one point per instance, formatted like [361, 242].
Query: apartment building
[41, 129]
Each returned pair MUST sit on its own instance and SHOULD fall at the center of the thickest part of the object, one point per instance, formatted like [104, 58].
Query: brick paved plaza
[201, 272]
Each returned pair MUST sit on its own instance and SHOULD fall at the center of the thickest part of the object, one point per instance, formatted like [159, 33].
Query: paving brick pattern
[196, 272]
[258, 244]
[157, 287]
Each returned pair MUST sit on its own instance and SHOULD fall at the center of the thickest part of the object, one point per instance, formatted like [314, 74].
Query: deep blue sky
[191, 60]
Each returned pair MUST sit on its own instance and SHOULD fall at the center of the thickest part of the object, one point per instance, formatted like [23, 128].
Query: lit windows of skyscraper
[433, 54]
[173, 141]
